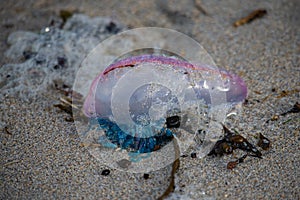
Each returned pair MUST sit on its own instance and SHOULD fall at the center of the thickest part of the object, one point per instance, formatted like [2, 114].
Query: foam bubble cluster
[52, 55]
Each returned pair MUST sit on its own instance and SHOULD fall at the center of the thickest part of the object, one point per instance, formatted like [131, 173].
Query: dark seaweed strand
[175, 167]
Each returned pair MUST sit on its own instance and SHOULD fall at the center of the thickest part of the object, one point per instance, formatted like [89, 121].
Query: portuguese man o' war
[140, 101]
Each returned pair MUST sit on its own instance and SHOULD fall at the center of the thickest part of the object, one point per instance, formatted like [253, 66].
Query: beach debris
[263, 142]
[171, 186]
[112, 27]
[27, 54]
[193, 155]
[105, 172]
[273, 118]
[232, 164]
[67, 91]
[285, 93]
[294, 109]
[173, 121]
[146, 176]
[252, 16]
[7, 131]
[175, 167]
[200, 7]
[65, 15]
[71, 100]
[232, 141]
[11, 163]
[257, 92]
[65, 105]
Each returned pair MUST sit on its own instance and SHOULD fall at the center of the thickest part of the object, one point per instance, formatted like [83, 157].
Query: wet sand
[41, 153]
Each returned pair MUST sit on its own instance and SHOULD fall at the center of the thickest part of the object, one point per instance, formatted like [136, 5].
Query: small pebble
[105, 172]
[124, 163]
[173, 122]
[231, 165]
[146, 176]
[263, 142]
[193, 155]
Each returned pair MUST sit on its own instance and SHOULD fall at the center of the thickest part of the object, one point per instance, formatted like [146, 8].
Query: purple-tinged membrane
[98, 101]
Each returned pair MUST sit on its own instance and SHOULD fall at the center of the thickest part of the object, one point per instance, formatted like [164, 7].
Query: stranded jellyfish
[143, 102]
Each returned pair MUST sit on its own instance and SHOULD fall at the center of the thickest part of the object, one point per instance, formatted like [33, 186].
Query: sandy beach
[42, 156]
